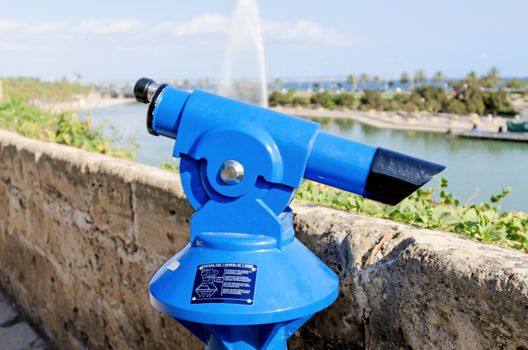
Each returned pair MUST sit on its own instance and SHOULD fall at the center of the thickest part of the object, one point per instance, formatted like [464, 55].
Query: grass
[30, 89]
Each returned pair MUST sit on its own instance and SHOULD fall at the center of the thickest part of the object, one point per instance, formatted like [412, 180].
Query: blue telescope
[244, 281]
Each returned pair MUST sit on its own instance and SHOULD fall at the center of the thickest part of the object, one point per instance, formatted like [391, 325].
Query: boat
[517, 126]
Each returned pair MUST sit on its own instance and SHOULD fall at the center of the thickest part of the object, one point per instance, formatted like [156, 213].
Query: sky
[303, 39]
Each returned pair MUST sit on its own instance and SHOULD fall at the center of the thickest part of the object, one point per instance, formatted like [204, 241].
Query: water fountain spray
[245, 47]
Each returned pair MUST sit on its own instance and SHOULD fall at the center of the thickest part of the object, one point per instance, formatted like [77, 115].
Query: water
[244, 71]
[474, 167]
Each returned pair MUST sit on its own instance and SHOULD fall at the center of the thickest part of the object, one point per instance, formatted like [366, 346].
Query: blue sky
[121, 40]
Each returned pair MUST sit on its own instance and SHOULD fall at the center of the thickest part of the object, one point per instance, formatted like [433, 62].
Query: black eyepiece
[394, 176]
[144, 89]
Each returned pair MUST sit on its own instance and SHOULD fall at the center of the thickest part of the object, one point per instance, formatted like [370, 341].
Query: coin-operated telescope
[244, 281]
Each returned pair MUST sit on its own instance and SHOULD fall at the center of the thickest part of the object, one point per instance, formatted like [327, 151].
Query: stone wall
[81, 233]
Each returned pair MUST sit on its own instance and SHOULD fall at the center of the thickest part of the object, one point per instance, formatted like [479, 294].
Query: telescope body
[244, 281]
[319, 156]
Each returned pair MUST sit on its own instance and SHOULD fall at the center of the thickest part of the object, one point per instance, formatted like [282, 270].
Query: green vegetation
[483, 95]
[170, 166]
[465, 99]
[516, 85]
[482, 222]
[324, 99]
[351, 80]
[438, 77]
[404, 79]
[64, 128]
[27, 88]
[420, 77]
[363, 78]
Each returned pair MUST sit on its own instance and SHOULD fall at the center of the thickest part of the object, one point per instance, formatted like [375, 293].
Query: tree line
[491, 80]
[481, 95]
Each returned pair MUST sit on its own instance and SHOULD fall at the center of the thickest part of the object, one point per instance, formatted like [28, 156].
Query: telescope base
[243, 299]
[253, 337]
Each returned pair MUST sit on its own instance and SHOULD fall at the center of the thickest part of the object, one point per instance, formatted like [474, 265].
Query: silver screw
[231, 172]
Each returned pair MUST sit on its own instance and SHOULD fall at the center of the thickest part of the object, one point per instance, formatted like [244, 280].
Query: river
[476, 169]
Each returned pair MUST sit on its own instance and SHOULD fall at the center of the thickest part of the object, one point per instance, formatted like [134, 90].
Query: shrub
[434, 97]
[371, 99]
[64, 128]
[346, 99]
[302, 101]
[455, 106]
[496, 103]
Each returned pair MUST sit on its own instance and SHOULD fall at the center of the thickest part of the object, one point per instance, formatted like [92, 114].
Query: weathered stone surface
[407, 287]
[81, 234]
[162, 223]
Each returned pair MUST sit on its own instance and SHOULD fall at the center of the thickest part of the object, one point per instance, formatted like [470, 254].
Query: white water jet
[244, 70]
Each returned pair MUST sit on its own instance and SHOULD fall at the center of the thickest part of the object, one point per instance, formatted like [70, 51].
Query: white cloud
[200, 25]
[300, 31]
[32, 47]
[118, 26]
[7, 25]
[304, 31]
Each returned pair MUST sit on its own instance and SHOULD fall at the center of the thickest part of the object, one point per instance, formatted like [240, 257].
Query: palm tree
[352, 81]
[438, 77]
[493, 73]
[472, 78]
[404, 79]
[492, 79]
[278, 83]
[363, 78]
[420, 77]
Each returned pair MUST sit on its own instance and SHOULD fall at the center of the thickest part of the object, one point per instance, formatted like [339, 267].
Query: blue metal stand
[244, 281]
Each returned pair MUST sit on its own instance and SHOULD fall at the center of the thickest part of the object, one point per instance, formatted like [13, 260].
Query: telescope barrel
[375, 173]
[338, 162]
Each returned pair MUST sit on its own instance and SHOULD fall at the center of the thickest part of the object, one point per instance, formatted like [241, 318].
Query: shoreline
[405, 121]
[417, 121]
[84, 103]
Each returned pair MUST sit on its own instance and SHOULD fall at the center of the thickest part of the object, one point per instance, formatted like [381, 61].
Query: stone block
[62, 179]
[162, 219]
[4, 202]
[111, 205]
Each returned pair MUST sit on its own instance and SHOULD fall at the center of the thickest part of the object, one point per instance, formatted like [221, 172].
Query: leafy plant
[170, 166]
[483, 222]
[64, 128]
